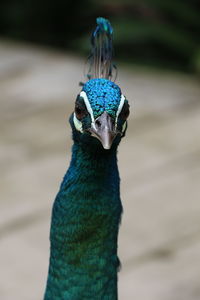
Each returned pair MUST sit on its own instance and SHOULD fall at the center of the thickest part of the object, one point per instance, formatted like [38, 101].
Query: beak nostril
[104, 129]
[98, 123]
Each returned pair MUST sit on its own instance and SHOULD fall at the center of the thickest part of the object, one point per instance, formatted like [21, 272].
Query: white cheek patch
[77, 123]
[121, 104]
[124, 126]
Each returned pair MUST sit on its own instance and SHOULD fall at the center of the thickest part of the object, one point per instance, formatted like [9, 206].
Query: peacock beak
[104, 130]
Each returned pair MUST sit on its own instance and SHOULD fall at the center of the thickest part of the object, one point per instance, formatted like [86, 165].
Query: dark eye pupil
[80, 112]
[125, 112]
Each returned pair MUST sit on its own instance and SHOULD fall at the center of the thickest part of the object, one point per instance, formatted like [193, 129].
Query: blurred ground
[159, 243]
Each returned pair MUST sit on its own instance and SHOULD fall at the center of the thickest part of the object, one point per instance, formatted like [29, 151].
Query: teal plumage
[87, 209]
[104, 95]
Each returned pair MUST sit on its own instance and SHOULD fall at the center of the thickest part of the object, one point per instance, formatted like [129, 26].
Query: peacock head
[101, 110]
[101, 113]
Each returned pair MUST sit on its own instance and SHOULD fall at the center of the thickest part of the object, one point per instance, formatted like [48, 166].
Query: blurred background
[149, 32]
[43, 49]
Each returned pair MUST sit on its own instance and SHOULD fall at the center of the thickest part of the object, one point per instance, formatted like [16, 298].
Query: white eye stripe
[77, 123]
[121, 104]
[87, 103]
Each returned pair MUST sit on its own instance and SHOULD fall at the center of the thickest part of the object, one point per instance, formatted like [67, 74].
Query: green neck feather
[84, 229]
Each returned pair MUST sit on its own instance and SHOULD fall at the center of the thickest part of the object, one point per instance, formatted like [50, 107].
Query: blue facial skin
[103, 95]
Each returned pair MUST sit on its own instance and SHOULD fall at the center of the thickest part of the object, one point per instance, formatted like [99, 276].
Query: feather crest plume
[100, 59]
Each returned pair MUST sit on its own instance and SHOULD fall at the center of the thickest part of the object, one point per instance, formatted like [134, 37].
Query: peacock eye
[80, 112]
[80, 108]
[124, 112]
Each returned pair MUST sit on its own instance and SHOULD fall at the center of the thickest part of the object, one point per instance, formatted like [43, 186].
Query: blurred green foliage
[160, 33]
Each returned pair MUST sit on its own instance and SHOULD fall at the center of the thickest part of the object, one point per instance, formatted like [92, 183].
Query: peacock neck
[93, 168]
[84, 229]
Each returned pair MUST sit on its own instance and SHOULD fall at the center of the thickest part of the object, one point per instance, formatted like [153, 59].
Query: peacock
[87, 210]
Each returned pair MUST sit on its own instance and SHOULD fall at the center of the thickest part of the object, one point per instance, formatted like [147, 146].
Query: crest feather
[100, 59]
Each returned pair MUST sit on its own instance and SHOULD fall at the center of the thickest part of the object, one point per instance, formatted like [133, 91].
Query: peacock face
[101, 110]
